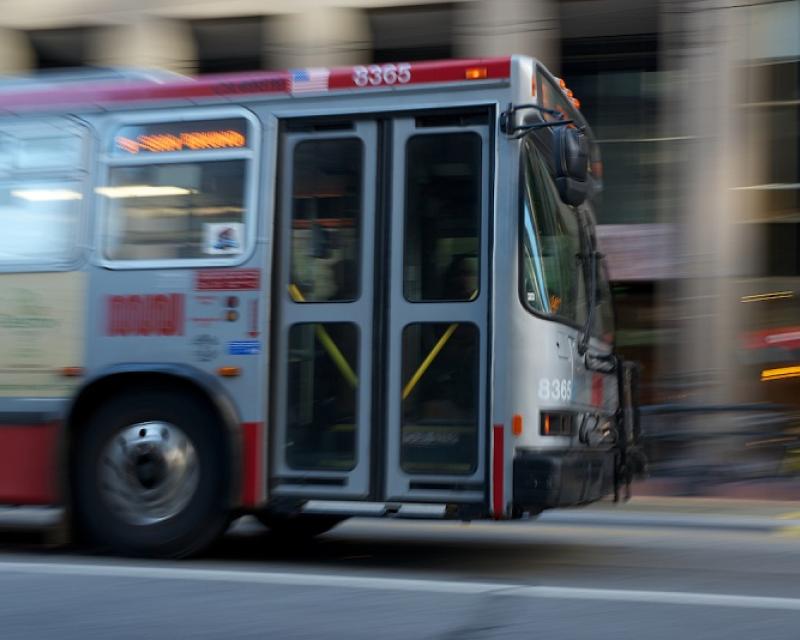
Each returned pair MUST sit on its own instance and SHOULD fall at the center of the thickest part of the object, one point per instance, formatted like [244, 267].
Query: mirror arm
[583, 343]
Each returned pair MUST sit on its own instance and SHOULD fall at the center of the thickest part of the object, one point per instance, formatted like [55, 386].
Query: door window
[440, 398]
[442, 217]
[326, 220]
[323, 396]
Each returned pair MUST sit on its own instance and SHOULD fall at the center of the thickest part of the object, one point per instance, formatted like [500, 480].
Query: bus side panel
[42, 346]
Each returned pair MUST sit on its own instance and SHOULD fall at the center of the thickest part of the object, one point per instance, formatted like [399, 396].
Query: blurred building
[696, 104]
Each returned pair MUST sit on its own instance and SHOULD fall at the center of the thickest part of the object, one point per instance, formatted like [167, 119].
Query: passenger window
[177, 207]
[552, 271]
[42, 173]
[326, 220]
[442, 217]
[175, 211]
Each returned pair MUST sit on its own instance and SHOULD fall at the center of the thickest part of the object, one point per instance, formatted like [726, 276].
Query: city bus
[304, 295]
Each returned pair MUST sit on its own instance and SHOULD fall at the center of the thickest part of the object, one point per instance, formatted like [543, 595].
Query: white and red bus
[306, 295]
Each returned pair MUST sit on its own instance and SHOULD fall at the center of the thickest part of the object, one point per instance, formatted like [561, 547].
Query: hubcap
[149, 472]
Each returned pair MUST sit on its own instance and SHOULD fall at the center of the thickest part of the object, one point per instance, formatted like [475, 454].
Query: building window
[229, 44]
[417, 32]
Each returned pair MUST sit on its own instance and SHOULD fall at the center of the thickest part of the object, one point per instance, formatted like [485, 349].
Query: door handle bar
[440, 343]
[328, 343]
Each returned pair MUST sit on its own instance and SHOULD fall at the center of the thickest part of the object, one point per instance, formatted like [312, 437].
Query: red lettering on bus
[145, 315]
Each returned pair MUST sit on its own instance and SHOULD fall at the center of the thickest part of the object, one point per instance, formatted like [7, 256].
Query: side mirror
[571, 161]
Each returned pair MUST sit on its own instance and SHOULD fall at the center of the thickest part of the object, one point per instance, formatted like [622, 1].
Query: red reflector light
[476, 73]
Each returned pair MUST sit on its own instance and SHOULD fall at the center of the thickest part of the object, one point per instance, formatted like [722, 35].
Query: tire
[299, 527]
[150, 474]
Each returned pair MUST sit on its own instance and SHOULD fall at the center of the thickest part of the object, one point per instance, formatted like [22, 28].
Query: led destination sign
[175, 137]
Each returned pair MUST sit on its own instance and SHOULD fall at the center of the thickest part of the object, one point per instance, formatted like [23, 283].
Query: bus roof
[47, 91]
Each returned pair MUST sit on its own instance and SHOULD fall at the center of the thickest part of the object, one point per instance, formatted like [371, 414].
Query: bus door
[379, 374]
[437, 327]
[322, 369]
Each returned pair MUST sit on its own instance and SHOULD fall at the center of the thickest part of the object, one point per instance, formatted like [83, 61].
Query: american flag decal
[306, 80]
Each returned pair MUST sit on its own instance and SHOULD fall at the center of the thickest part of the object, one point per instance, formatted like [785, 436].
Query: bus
[304, 295]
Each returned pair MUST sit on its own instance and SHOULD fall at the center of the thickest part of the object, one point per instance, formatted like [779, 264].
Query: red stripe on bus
[498, 472]
[420, 73]
[28, 464]
[252, 464]
[235, 85]
[597, 390]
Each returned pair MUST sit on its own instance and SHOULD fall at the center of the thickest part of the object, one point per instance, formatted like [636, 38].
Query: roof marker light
[476, 73]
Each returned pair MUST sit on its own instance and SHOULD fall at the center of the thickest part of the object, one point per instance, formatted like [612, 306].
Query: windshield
[552, 277]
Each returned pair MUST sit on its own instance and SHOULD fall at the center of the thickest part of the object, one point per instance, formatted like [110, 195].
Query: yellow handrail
[328, 344]
[429, 360]
[432, 355]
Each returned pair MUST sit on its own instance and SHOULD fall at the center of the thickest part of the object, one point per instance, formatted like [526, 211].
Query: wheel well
[102, 389]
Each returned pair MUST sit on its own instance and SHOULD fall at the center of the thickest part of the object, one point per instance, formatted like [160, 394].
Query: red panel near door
[28, 468]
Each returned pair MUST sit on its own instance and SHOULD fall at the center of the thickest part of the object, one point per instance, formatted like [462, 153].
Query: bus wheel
[298, 527]
[150, 475]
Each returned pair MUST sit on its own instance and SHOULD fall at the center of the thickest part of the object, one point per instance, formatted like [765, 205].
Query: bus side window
[177, 206]
[42, 176]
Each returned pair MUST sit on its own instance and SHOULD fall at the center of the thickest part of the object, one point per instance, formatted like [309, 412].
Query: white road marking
[682, 598]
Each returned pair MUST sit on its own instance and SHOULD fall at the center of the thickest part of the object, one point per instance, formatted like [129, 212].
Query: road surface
[604, 574]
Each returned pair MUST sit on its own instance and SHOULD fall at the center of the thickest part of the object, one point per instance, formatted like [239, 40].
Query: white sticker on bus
[223, 238]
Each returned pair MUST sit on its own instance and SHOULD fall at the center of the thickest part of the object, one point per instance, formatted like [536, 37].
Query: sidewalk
[786, 490]
[684, 513]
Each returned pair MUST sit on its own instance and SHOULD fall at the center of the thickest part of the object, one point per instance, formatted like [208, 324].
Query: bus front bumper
[550, 479]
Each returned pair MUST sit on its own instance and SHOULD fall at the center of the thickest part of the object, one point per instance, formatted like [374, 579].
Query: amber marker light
[516, 424]
[229, 372]
[72, 372]
[476, 73]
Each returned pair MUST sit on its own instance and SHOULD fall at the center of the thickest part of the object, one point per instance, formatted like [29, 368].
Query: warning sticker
[244, 347]
[227, 280]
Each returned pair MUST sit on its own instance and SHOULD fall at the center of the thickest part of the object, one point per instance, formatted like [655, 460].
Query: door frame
[382, 194]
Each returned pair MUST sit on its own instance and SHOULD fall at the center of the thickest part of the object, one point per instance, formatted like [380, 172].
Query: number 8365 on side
[555, 389]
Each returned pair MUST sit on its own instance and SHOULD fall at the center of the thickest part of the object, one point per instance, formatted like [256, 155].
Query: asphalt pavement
[648, 570]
